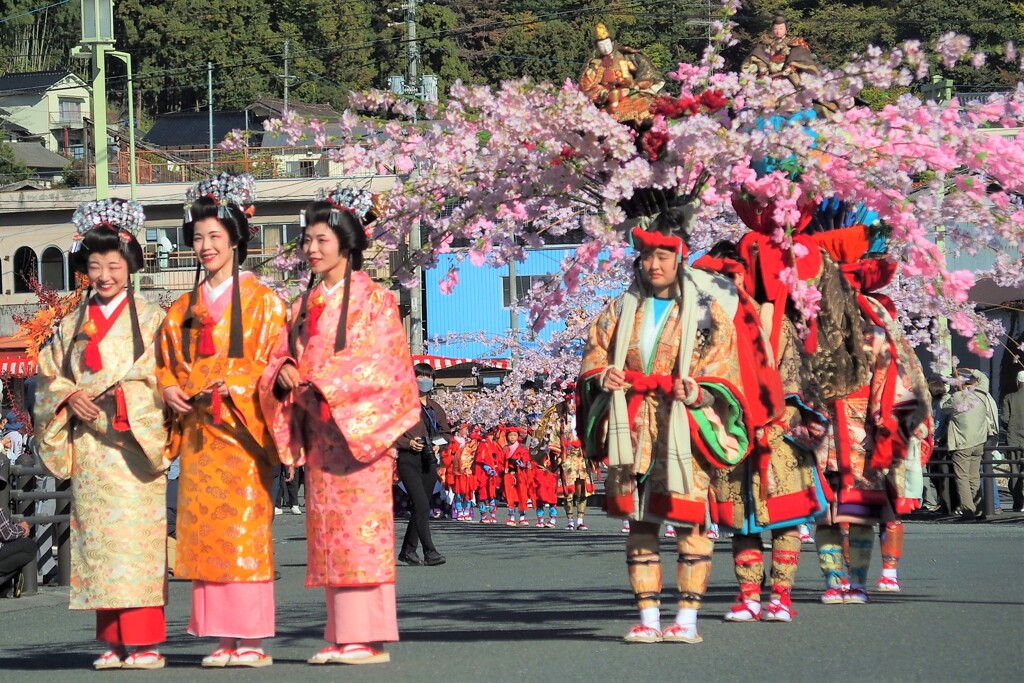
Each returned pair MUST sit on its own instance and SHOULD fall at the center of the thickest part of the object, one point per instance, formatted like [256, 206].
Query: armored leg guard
[693, 569]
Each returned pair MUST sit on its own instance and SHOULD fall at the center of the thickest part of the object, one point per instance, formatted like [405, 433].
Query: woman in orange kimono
[100, 424]
[338, 392]
[213, 347]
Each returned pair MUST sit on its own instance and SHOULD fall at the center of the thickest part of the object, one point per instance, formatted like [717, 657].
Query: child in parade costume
[880, 433]
[778, 486]
[661, 366]
[340, 391]
[445, 473]
[462, 478]
[100, 424]
[557, 432]
[516, 481]
[544, 491]
[213, 347]
[486, 476]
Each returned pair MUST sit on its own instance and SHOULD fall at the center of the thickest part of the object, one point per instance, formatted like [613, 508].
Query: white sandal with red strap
[144, 659]
[251, 658]
[108, 660]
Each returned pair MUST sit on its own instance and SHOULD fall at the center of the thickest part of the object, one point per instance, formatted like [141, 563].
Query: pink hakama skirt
[232, 610]
[361, 614]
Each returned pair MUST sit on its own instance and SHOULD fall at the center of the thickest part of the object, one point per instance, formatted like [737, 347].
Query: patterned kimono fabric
[557, 430]
[227, 460]
[116, 467]
[867, 457]
[462, 477]
[666, 480]
[777, 488]
[904, 447]
[342, 427]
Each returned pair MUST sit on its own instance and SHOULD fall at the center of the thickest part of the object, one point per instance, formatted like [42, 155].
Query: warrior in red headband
[661, 399]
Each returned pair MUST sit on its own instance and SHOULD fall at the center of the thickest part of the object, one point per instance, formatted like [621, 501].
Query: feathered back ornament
[120, 215]
[225, 189]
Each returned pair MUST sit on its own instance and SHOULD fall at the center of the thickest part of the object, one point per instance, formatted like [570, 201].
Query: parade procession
[766, 323]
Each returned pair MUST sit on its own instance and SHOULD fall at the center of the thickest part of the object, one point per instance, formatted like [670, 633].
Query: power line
[33, 11]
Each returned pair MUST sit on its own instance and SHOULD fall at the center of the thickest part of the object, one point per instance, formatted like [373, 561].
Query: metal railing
[991, 469]
[20, 496]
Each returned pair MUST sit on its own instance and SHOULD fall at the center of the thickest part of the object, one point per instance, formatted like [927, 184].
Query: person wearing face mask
[418, 456]
[621, 81]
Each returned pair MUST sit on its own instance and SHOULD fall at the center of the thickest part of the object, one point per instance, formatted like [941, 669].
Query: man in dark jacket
[1012, 416]
[418, 456]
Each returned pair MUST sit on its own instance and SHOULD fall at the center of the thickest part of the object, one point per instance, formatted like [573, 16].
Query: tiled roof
[192, 129]
[34, 81]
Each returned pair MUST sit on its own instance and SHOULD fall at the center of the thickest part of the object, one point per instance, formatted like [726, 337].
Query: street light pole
[98, 38]
[132, 178]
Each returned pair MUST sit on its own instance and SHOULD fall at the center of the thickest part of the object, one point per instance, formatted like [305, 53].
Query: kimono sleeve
[279, 409]
[370, 389]
[51, 413]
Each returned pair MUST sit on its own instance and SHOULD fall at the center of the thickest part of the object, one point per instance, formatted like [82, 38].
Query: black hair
[103, 240]
[727, 249]
[779, 19]
[346, 226]
[236, 224]
[423, 370]
[234, 220]
[351, 234]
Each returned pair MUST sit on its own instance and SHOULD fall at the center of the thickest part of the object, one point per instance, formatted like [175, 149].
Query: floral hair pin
[225, 189]
[121, 215]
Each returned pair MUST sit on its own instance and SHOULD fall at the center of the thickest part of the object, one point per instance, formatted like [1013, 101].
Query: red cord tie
[215, 405]
[91, 357]
[206, 346]
[315, 311]
[120, 423]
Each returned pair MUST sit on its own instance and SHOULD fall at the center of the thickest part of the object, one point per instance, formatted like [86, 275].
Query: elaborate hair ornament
[120, 215]
[225, 189]
[601, 32]
[358, 202]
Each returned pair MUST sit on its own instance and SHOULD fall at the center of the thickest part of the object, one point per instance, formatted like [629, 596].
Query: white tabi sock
[651, 617]
[889, 573]
[687, 617]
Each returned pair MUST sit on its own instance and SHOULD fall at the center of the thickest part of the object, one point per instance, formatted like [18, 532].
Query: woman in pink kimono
[338, 391]
[100, 424]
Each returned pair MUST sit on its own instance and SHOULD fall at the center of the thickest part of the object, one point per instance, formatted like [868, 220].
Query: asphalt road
[527, 604]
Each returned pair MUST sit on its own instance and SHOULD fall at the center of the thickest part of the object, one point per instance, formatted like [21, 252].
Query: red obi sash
[641, 386]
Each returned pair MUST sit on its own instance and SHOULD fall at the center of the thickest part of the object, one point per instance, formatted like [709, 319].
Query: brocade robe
[343, 427]
[119, 514]
[719, 433]
[224, 507]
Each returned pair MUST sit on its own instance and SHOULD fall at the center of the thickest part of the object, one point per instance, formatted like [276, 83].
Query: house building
[49, 105]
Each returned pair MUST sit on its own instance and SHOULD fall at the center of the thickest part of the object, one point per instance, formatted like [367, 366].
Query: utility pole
[209, 105]
[513, 303]
[285, 77]
[412, 49]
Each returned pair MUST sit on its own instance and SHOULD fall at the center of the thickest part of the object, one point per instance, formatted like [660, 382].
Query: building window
[26, 268]
[69, 111]
[523, 285]
[54, 271]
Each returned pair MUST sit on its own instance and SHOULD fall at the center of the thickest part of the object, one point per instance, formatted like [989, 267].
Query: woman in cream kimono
[101, 425]
[338, 392]
[213, 347]
[662, 357]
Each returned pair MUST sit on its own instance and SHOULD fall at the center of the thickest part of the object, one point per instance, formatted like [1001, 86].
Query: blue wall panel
[475, 305]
